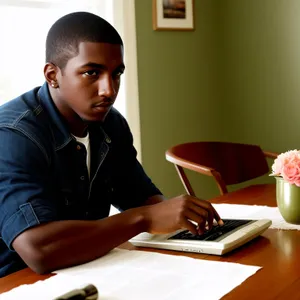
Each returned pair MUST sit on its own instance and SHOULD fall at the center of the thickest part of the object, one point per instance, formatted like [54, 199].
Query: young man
[66, 156]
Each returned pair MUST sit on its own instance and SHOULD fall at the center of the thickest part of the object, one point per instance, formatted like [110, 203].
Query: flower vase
[288, 200]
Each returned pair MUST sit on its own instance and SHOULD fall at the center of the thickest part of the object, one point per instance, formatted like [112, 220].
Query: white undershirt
[86, 142]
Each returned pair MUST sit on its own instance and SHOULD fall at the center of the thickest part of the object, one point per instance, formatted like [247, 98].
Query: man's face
[90, 81]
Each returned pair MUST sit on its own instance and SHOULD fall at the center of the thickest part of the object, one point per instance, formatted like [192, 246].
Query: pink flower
[287, 165]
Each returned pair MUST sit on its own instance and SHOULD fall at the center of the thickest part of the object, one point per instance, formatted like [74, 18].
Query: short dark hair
[67, 32]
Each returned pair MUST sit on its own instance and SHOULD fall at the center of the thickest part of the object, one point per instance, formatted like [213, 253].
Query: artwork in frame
[173, 14]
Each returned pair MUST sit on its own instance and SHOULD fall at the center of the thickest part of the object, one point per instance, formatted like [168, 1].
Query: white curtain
[23, 28]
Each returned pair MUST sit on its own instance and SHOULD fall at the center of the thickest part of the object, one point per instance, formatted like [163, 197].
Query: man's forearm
[60, 244]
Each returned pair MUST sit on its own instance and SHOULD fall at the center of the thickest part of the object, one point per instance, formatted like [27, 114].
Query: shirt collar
[60, 130]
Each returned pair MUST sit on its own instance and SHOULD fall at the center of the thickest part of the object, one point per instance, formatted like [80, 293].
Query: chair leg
[185, 181]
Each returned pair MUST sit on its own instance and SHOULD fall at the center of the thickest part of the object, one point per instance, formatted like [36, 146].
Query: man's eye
[118, 74]
[90, 73]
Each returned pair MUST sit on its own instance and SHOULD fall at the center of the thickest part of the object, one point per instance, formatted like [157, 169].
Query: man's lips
[103, 104]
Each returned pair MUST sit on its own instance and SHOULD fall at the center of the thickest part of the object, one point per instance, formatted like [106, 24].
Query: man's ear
[50, 73]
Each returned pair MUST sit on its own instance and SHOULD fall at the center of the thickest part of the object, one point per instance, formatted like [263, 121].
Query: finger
[217, 217]
[206, 212]
[201, 222]
[201, 228]
[189, 226]
[191, 215]
[208, 206]
[201, 211]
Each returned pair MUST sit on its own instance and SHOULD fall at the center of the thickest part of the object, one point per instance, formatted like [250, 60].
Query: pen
[89, 292]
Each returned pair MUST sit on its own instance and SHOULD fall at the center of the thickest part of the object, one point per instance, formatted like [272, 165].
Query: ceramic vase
[288, 200]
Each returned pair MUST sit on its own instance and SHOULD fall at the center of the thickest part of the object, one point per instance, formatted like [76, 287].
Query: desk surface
[276, 251]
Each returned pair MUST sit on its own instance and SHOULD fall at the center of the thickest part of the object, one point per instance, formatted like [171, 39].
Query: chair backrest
[229, 163]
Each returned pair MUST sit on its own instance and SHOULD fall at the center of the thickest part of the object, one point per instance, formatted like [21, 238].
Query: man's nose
[106, 87]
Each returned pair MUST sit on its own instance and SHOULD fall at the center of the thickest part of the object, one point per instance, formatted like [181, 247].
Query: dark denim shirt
[43, 172]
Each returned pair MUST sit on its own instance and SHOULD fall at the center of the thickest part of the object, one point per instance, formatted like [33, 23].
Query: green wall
[235, 78]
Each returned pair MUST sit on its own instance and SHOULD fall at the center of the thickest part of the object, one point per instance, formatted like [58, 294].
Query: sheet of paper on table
[136, 275]
[239, 211]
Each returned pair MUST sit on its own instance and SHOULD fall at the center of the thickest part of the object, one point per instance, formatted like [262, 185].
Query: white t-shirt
[86, 142]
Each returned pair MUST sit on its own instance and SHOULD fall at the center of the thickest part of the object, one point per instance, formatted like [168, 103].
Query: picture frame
[173, 14]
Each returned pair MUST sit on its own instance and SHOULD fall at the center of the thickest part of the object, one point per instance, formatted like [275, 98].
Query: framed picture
[173, 14]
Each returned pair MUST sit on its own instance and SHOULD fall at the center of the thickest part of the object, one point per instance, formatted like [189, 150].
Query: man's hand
[181, 212]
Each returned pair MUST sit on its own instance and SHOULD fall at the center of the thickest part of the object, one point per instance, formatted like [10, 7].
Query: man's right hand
[180, 212]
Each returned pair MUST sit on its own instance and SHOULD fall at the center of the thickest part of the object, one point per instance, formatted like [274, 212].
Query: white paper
[141, 275]
[256, 212]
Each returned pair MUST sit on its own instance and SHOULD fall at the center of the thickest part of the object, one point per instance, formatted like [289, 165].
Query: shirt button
[108, 140]
[81, 177]
[78, 147]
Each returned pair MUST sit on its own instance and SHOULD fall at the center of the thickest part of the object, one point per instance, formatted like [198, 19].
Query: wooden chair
[228, 163]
